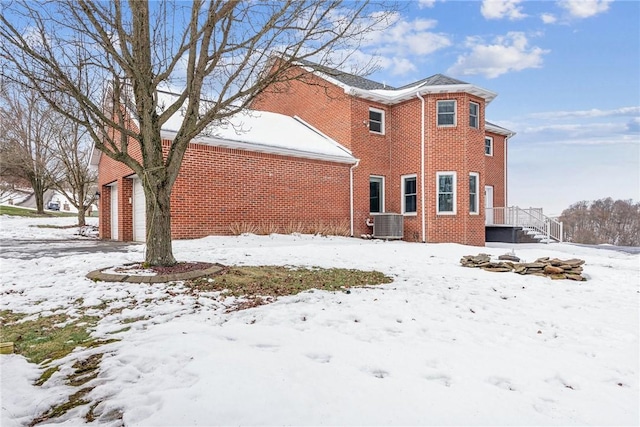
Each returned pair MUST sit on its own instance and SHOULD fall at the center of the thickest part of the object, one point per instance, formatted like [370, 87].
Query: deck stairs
[532, 221]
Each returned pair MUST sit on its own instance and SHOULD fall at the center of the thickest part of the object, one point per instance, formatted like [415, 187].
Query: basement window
[376, 121]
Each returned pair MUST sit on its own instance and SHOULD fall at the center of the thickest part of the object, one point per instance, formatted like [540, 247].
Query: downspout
[506, 204]
[351, 192]
[422, 206]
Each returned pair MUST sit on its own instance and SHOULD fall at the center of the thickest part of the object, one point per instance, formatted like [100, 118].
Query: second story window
[446, 113]
[474, 112]
[488, 146]
[376, 121]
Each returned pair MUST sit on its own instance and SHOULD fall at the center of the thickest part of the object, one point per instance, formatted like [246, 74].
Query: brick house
[334, 147]
[425, 149]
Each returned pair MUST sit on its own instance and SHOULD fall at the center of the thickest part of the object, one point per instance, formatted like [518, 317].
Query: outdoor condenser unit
[388, 226]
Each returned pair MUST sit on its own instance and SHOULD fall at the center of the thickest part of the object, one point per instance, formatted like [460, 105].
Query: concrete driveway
[31, 249]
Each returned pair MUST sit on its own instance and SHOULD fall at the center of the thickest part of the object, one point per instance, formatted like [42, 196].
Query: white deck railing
[531, 218]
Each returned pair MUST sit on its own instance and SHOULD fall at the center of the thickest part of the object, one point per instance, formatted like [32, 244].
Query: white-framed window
[488, 146]
[446, 191]
[376, 194]
[376, 120]
[474, 113]
[409, 194]
[474, 196]
[446, 113]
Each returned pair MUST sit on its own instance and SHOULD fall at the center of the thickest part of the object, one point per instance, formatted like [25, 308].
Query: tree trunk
[38, 194]
[158, 211]
[81, 219]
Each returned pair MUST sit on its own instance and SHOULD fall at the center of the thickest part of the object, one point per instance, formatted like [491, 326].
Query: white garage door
[114, 212]
[139, 214]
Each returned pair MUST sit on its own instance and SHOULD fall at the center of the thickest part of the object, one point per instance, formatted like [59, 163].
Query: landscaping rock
[550, 269]
[555, 269]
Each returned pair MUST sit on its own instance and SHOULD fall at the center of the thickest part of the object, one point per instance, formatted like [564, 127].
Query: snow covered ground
[441, 345]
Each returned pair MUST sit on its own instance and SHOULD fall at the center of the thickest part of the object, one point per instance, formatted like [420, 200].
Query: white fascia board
[261, 148]
[385, 96]
[498, 130]
[397, 96]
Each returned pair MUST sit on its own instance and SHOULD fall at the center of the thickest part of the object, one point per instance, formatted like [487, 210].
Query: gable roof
[386, 94]
[258, 131]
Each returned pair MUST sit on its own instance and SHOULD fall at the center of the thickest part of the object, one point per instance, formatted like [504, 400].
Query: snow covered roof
[262, 131]
[258, 131]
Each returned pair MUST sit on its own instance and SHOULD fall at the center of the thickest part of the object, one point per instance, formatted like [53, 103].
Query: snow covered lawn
[442, 345]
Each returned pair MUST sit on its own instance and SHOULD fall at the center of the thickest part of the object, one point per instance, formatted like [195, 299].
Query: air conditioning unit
[388, 226]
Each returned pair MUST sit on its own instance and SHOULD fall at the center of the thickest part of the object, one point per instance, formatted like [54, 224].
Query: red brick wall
[397, 153]
[319, 103]
[217, 187]
[111, 171]
[495, 171]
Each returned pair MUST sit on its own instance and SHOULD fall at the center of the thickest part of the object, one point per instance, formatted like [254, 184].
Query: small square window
[446, 113]
[376, 121]
[409, 194]
[488, 146]
[474, 110]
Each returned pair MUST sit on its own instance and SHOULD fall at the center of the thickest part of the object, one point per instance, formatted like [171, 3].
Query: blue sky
[568, 78]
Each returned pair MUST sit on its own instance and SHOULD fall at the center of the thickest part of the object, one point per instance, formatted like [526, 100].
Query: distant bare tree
[76, 178]
[603, 221]
[218, 49]
[26, 132]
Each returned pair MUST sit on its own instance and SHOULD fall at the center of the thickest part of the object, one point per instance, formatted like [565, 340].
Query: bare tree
[603, 221]
[218, 49]
[76, 178]
[26, 132]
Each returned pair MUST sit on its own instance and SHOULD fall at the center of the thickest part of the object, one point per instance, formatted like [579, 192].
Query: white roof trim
[498, 130]
[390, 97]
[262, 148]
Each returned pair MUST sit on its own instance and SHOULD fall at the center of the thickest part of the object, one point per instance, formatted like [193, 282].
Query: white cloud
[548, 18]
[634, 125]
[594, 112]
[499, 9]
[398, 66]
[400, 44]
[426, 3]
[585, 8]
[506, 53]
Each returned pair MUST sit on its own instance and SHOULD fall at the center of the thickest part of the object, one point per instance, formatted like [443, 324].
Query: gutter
[422, 207]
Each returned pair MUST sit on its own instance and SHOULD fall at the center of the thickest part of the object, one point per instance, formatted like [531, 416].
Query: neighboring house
[334, 147]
